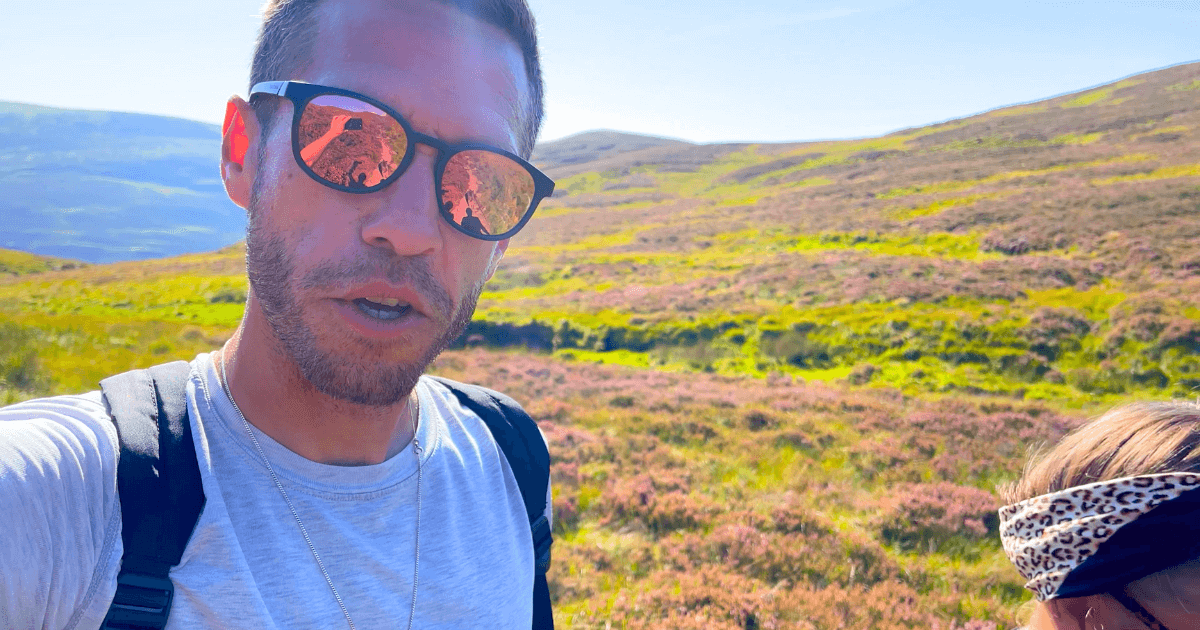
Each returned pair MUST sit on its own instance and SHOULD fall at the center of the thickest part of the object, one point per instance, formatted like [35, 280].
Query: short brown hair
[285, 45]
[1130, 440]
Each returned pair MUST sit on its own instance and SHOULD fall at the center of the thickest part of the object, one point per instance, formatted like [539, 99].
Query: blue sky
[702, 70]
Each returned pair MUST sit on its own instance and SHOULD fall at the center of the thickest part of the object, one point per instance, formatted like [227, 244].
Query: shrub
[757, 420]
[1052, 331]
[1180, 332]
[915, 515]
[675, 431]
[228, 295]
[797, 349]
[861, 374]
[661, 503]
[704, 599]
[20, 370]
[621, 401]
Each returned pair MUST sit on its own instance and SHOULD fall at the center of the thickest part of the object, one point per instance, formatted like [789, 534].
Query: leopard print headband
[1047, 537]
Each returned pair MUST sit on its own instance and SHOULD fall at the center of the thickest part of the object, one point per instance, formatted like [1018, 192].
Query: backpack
[158, 482]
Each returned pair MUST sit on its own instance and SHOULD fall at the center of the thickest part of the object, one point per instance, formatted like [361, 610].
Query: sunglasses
[1138, 610]
[356, 144]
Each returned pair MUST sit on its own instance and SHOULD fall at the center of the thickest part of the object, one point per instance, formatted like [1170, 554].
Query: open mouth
[384, 309]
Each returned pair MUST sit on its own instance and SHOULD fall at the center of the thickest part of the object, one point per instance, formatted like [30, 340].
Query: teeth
[378, 313]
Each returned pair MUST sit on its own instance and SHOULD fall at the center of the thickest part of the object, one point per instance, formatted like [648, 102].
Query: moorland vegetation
[780, 382]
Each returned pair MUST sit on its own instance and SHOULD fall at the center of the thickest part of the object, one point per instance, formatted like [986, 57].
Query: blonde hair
[1135, 439]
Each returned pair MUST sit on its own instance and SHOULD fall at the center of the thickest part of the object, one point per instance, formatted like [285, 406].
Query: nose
[405, 217]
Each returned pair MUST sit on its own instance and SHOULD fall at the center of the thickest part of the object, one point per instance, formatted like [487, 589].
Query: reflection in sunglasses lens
[350, 143]
[485, 193]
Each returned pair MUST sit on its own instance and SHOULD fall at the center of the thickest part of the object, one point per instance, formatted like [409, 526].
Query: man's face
[363, 291]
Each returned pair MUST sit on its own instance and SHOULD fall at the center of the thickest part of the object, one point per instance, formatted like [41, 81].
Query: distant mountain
[592, 146]
[106, 186]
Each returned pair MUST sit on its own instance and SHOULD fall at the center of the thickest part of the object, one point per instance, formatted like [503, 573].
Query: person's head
[288, 41]
[1106, 524]
[361, 283]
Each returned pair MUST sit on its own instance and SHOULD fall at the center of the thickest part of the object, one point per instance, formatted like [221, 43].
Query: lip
[372, 328]
[405, 295]
[379, 330]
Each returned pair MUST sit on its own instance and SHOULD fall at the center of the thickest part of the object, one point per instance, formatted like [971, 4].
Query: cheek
[472, 262]
[312, 243]
[300, 211]
[1173, 595]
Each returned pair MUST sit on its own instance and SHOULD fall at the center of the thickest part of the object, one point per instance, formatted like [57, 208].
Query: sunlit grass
[944, 245]
[1166, 172]
[1161, 130]
[1100, 95]
[956, 186]
[942, 205]
[17, 263]
[1004, 142]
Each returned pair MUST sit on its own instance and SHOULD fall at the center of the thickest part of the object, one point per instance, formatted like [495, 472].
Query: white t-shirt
[247, 565]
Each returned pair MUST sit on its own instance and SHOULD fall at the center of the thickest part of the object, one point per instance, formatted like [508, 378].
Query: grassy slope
[1045, 249]
[959, 288]
[15, 263]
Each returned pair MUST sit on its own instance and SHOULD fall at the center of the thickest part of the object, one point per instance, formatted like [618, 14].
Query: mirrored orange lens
[486, 193]
[351, 143]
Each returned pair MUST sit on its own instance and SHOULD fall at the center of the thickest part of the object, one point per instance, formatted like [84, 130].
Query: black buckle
[142, 602]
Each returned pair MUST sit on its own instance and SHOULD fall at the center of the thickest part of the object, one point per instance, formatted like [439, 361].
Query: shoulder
[474, 395]
[58, 486]
[65, 445]
[58, 435]
[513, 432]
[509, 425]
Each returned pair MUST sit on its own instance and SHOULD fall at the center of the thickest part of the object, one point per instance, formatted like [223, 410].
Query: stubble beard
[344, 376]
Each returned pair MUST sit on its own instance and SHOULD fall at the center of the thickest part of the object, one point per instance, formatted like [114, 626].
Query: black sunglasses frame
[301, 93]
[1139, 611]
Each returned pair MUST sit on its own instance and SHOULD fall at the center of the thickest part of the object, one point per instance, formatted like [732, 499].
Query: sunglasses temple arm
[278, 88]
[1138, 610]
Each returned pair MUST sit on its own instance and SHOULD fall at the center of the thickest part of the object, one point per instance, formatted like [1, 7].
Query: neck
[278, 401]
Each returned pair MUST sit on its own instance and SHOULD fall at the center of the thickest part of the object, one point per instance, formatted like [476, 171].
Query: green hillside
[1044, 250]
[15, 263]
[780, 382]
[107, 186]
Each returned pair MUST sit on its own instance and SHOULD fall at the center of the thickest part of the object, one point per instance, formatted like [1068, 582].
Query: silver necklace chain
[304, 531]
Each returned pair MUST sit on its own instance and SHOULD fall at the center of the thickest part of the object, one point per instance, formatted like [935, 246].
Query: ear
[497, 256]
[239, 163]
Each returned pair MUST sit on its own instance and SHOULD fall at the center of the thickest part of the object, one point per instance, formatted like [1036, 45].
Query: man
[343, 488]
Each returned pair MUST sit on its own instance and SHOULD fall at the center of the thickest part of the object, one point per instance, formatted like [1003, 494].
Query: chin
[376, 387]
[369, 373]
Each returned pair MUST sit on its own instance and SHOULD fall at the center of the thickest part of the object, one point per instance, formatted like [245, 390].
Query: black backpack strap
[158, 482]
[522, 443]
